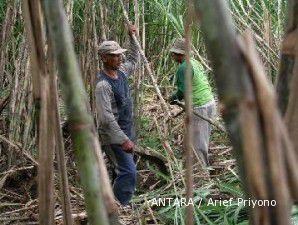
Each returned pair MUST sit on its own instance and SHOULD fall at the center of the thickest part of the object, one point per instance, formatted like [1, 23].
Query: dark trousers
[125, 168]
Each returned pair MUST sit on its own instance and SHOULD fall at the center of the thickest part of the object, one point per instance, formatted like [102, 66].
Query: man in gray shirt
[115, 119]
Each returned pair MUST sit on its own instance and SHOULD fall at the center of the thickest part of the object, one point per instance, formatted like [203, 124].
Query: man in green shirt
[202, 97]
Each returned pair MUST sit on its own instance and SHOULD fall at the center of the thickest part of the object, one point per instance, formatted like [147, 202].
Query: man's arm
[179, 94]
[133, 56]
[106, 117]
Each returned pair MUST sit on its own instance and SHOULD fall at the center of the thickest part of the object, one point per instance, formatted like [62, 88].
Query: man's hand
[221, 108]
[172, 100]
[128, 146]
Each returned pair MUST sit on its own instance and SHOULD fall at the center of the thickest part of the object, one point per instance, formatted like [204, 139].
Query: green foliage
[227, 186]
[2, 12]
[149, 137]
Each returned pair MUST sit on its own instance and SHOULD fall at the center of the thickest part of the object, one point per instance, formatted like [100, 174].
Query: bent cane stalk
[81, 122]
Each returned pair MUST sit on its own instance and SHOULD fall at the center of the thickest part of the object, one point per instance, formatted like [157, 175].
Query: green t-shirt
[201, 90]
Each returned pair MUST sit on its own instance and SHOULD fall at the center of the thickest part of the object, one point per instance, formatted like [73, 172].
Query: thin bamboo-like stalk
[12, 108]
[24, 103]
[46, 147]
[89, 57]
[5, 34]
[108, 195]
[137, 17]
[137, 77]
[163, 103]
[33, 24]
[291, 117]
[288, 54]
[84, 59]
[46, 142]
[94, 63]
[59, 147]
[29, 103]
[142, 67]
[81, 122]
[69, 10]
[267, 38]
[36, 41]
[214, 123]
[188, 138]
[272, 134]
[279, 20]
[103, 35]
[291, 160]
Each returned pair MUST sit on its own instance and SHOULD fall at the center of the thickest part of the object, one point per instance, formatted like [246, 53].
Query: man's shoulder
[196, 63]
[181, 68]
[183, 64]
[102, 84]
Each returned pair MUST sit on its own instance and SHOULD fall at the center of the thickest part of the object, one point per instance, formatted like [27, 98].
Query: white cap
[110, 47]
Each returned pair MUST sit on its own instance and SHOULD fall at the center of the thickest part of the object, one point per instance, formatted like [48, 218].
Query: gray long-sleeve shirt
[109, 129]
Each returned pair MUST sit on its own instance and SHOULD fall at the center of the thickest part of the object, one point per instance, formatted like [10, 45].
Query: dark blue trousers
[125, 182]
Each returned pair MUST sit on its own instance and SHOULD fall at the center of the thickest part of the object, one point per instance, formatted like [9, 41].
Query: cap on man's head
[110, 47]
[179, 46]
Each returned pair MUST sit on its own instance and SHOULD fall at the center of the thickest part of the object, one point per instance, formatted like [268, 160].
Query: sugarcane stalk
[146, 62]
[218, 126]
[248, 134]
[188, 137]
[288, 55]
[81, 122]
[41, 83]
[60, 152]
